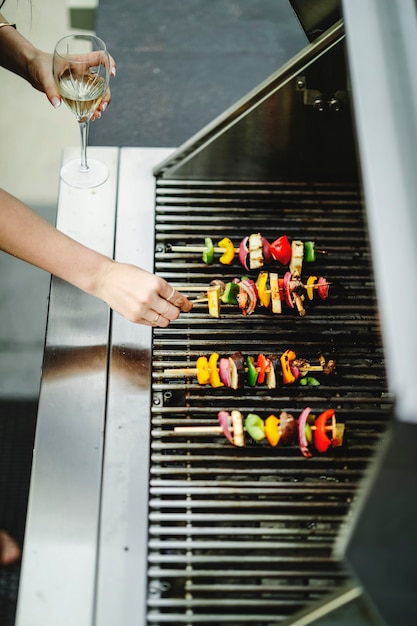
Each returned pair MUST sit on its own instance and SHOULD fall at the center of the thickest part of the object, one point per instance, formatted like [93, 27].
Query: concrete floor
[33, 135]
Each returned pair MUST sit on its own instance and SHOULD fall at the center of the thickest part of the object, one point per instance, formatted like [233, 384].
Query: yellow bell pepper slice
[309, 288]
[263, 293]
[214, 372]
[229, 251]
[214, 293]
[272, 432]
[203, 373]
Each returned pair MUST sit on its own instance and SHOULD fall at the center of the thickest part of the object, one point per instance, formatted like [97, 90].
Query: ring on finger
[156, 318]
[171, 295]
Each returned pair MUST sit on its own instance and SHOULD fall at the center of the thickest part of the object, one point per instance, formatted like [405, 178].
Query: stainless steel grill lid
[295, 126]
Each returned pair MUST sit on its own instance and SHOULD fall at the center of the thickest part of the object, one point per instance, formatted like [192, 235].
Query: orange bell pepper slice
[286, 358]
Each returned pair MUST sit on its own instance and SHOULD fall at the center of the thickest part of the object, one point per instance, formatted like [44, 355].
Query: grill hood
[297, 125]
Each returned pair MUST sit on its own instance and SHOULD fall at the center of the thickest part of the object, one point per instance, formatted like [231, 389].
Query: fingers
[178, 300]
[52, 94]
[107, 96]
[112, 66]
[55, 100]
[170, 307]
[139, 295]
[9, 550]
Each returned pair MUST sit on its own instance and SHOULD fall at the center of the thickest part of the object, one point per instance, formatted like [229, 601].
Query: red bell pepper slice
[263, 365]
[280, 250]
[323, 288]
[321, 440]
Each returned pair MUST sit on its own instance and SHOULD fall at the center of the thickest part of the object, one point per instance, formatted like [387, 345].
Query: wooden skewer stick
[193, 371]
[197, 249]
[185, 430]
[180, 371]
[310, 368]
[203, 430]
[315, 285]
[217, 249]
[201, 288]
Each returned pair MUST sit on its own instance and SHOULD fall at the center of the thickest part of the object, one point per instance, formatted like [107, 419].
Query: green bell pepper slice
[252, 371]
[230, 293]
[310, 381]
[254, 425]
[309, 251]
[208, 252]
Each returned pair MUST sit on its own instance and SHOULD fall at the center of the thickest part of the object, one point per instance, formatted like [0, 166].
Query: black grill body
[242, 535]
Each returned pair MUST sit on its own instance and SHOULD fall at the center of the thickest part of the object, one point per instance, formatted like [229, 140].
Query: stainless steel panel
[122, 580]
[382, 48]
[57, 584]
[296, 126]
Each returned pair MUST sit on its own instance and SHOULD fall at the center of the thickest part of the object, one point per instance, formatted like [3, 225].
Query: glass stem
[84, 140]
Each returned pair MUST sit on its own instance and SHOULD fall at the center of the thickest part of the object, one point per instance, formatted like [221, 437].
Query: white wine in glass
[81, 68]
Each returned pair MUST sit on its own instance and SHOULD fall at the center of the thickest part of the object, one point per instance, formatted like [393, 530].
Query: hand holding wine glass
[81, 69]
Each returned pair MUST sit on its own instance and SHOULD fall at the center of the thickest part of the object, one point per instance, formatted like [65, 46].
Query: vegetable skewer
[267, 291]
[319, 433]
[248, 294]
[232, 371]
[255, 251]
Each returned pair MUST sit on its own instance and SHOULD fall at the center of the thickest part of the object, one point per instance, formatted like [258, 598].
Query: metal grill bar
[247, 535]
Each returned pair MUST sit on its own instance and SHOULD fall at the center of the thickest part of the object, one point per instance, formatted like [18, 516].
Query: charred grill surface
[246, 535]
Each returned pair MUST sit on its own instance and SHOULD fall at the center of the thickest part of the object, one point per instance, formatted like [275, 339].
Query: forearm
[16, 52]
[25, 235]
[140, 296]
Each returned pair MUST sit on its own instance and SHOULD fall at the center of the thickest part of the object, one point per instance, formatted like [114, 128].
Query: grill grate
[239, 535]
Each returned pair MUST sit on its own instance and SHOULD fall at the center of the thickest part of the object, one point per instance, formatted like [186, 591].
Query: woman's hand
[136, 294]
[140, 296]
[39, 72]
[20, 56]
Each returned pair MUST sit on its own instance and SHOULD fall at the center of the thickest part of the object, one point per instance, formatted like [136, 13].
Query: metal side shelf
[62, 577]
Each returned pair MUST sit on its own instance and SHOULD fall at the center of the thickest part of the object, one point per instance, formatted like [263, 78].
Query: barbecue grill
[131, 521]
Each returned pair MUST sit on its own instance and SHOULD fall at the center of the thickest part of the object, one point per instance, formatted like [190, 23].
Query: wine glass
[81, 68]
